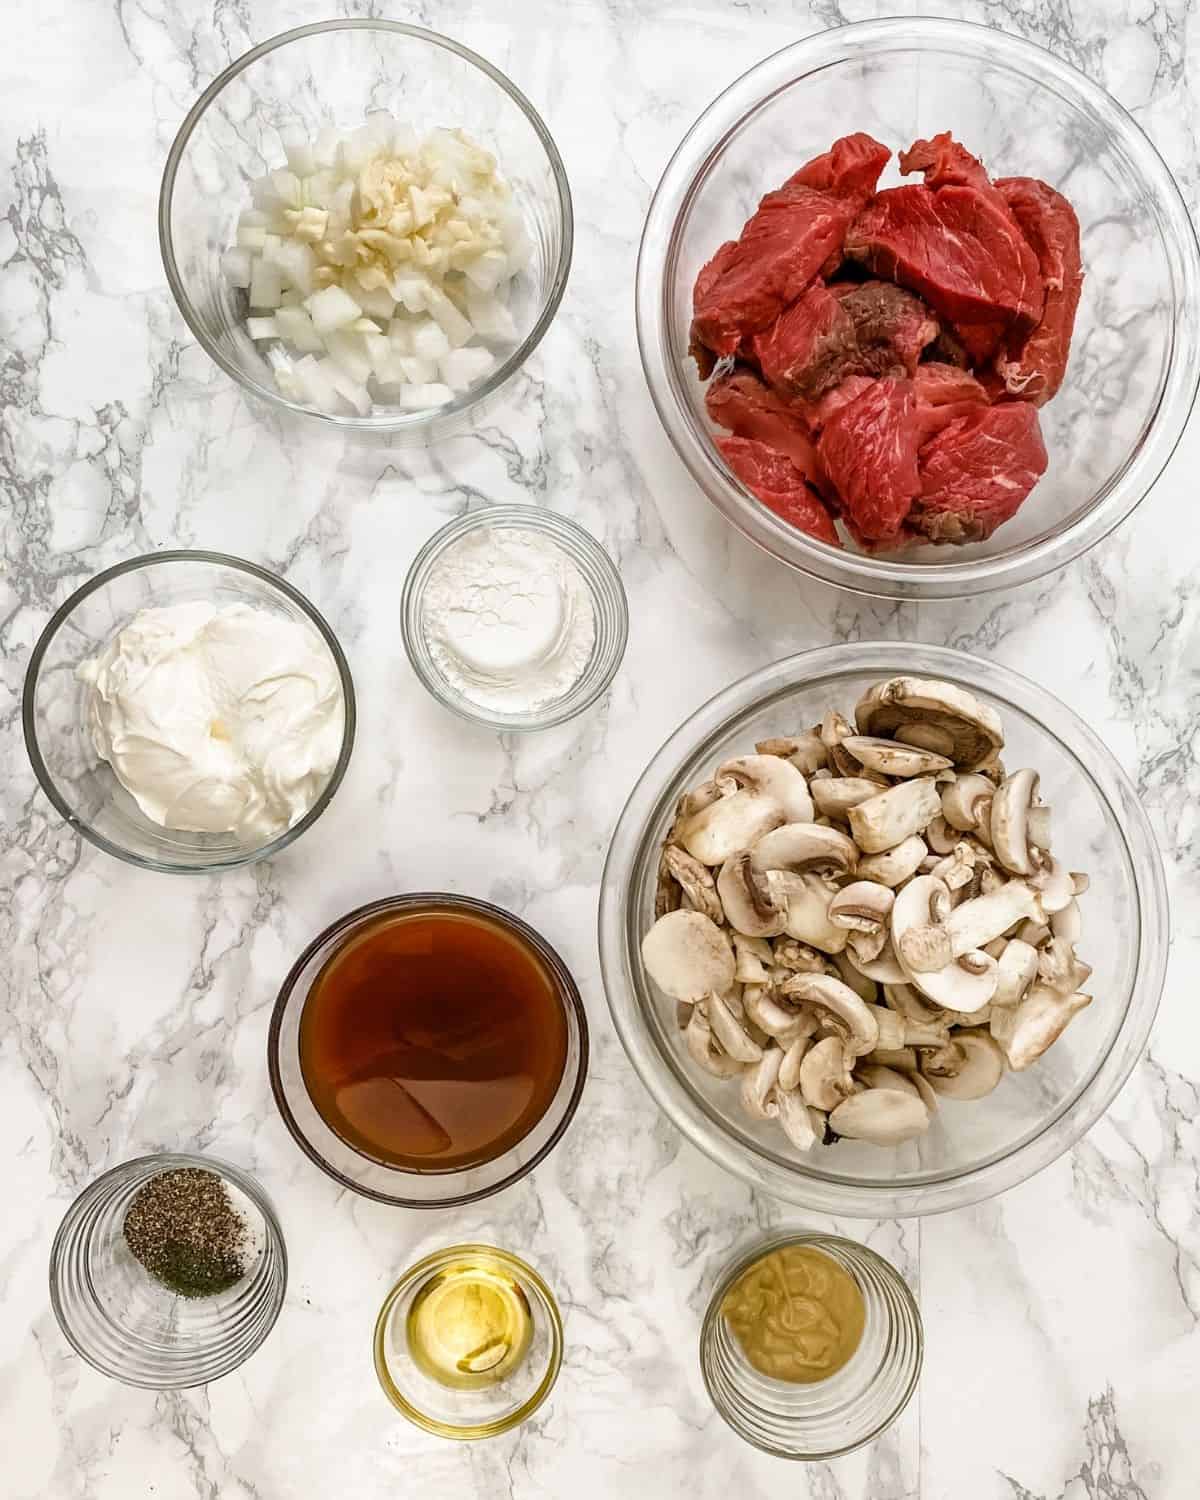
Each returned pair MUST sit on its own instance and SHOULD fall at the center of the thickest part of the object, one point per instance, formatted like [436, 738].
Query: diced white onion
[236, 267]
[261, 328]
[331, 309]
[266, 285]
[462, 368]
[418, 397]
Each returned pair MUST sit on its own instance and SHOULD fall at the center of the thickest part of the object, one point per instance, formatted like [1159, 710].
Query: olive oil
[470, 1325]
[432, 1040]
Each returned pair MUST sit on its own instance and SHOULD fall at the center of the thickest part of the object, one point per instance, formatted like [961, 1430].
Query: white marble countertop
[1063, 1354]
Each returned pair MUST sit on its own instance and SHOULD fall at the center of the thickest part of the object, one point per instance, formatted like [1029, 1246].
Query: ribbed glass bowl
[83, 787]
[971, 1150]
[832, 1417]
[600, 577]
[126, 1323]
[1135, 357]
[438, 1187]
[330, 74]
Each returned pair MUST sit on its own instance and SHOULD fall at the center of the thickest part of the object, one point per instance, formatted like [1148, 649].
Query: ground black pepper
[183, 1228]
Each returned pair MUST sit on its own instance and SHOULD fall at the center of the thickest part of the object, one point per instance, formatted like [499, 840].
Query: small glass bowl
[1127, 396]
[443, 1188]
[83, 787]
[600, 576]
[329, 74]
[830, 1417]
[468, 1415]
[128, 1325]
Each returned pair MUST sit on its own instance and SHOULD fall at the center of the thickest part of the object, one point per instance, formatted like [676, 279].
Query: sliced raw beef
[742, 404]
[810, 345]
[849, 169]
[817, 413]
[937, 384]
[780, 486]
[869, 451]
[891, 326]
[976, 472]
[953, 240]
[707, 277]
[795, 234]
[1032, 368]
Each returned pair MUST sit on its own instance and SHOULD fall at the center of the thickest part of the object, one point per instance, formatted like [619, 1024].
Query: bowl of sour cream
[188, 711]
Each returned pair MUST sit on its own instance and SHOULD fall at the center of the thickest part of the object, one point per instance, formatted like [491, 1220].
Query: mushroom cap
[721, 828]
[967, 802]
[808, 913]
[688, 956]
[1010, 821]
[892, 759]
[805, 847]
[969, 732]
[886, 1117]
[980, 1067]
[825, 1077]
[758, 1083]
[753, 905]
[861, 906]
[951, 986]
[841, 1009]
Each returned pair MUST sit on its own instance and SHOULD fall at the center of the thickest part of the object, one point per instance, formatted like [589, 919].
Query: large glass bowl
[1135, 357]
[971, 1150]
[82, 787]
[331, 74]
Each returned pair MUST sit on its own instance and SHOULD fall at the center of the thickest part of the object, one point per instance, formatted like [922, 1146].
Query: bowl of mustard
[811, 1345]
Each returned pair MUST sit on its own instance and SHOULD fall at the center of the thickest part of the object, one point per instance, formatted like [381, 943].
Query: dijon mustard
[797, 1314]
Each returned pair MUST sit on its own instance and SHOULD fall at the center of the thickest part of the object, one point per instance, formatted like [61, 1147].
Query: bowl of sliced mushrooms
[883, 928]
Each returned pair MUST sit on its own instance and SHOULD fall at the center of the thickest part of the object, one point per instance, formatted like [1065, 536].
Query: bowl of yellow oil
[468, 1343]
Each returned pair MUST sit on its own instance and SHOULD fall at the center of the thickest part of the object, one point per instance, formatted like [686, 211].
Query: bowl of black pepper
[168, 1271]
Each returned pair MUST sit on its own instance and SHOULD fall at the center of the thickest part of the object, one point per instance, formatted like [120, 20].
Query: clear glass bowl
[389, 1184]
[1136, 351]
[971, 1150]
[468, 1415]
[830, 1417]
[82, 786]
[330, 74]
[608, 602]
[131, 1327]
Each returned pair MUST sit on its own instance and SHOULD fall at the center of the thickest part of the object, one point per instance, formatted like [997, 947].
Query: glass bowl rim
[411, 422]
[575, 539]
[572, 1003]
[886, 577]
[475, 1431]
[209, 559]
[779, 1239]
[167, 1161]
[878, 1198]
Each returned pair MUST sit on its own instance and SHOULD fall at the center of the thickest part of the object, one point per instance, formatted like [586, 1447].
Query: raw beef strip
[953, 240]
[869, 451]
[706, 278]
[780, 486]
[891, 326]
[1032, 368]
[795, 233]
[809, 346]
[817, 413]
[741, 403]
[937, 384]
[976, 472]
[849, 169]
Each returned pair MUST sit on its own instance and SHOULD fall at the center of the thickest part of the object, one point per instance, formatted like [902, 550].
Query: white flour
[509, 620]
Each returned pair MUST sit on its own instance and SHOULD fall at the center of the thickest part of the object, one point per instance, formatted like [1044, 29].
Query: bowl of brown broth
[428, 1050]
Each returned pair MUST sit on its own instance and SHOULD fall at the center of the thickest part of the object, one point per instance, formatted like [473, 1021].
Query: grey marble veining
[1063, 1352]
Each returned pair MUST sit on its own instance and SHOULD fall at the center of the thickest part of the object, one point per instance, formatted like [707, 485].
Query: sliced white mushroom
[834, 796]
[1016, 969]
[940, 837]
[688, 956]
[861, 906]
[866, 989]
[806, 848]
[968, 927]
[912, 1005]
[956, 870]
[835, 728]
[752, 959]
[933, 715]
[768, 793]
[729, 1031]
[885, 969]
[894, 866]
[695, 880]
[890, 1029]
[878, 1076]
[1059, 969]
[892, 759]
[769, 1012]
[803, 1125]
[1067, 924]
[838, 1008]
[1055, 885]
[904, 1058]
[808, 898]
[805, 751]
[1038, 1022]
[754, 905]
[886, 1117]
[703, 1048]
[825, 1076]
[890, 817]
[1010, 822]
[967, 804]
[798, 957]
[758, 1084]
[952, 986]
[970, 1066]
[789, 1067]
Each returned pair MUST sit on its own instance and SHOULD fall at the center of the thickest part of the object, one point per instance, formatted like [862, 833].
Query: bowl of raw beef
[944, 352]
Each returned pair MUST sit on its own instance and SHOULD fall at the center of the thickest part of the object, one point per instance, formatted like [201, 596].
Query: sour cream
[217, 720]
